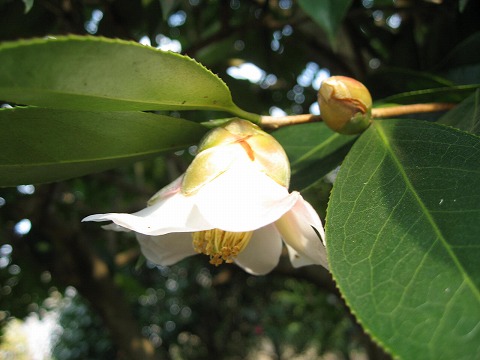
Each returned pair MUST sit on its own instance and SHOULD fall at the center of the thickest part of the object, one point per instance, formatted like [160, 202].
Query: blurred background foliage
[107, 301]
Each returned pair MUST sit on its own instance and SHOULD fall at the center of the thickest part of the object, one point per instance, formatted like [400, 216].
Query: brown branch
[410, 109]
[276, 122]
[386, 112]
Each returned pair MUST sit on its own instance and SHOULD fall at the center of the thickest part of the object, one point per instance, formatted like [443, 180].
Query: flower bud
[345, 105]
[236, 143]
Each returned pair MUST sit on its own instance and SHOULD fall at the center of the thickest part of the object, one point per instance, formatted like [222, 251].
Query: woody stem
[386, 112]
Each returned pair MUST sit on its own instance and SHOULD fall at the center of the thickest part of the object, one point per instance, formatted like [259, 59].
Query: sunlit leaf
[313, 150]
[44, 145]
[104, 74]
[402, 236]
[466, 116]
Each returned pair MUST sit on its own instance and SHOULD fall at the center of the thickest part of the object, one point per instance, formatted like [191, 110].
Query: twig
[276, 122]
[410, 109]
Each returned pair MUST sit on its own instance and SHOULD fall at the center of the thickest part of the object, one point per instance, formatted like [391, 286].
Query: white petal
[175, 213]
[306, 211]
[167, 249]
[115, 227]
[169, 190]
[262, 253]
[303, 244]
[243, 199]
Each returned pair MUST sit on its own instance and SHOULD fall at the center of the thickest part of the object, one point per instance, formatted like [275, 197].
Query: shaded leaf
[44, 145]
[402, 238]
[328, 14]
[452, 94]
[392, 81]
[466, 116]
[313, 150]
[462, 4]
[104, 74]
[28, 5]
[462, 54]
[168, 6]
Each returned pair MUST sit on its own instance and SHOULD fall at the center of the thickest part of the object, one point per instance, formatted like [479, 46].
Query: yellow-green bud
[345, 105]
[216, 155]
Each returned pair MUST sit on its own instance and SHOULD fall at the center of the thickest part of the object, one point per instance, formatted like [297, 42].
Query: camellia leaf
[168, 6]
[391, 81]
[313, 150]
[328, 14]
[465, 116]
[44, 145]
[462, 4]
[28, 5]
[94, 73]
[462, 54]
[453, 94]
[402, 230]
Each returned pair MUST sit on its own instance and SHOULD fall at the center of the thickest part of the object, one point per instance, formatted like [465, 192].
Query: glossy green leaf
[403, 238]
[391, 81]
[452, 94]
[44, 145]
[328, 14]
[313, 150]
[466, 116]
[104, 74]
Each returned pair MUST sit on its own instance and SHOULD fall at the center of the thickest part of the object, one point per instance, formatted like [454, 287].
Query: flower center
[220, 245]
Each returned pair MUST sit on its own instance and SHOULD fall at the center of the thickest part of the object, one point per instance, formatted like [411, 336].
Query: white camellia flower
[231, 204]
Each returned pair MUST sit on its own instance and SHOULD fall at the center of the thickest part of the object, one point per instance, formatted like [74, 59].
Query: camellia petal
[304, 209]
[171, 189]
[303, 243]
[166, 249]
[254, 200]
[176, 213]
[208, 165]
[262, 253]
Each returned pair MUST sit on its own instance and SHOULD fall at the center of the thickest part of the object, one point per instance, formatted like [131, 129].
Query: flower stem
[385, 112]
[255, 118]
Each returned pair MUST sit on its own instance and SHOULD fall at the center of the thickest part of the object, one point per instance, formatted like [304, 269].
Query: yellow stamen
[220, 245]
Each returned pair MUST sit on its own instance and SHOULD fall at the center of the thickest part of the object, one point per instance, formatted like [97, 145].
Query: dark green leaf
[462, 5]
[391, 81]
[452, 94]
[462, 64]
[28, 5]
[466, 116]
[104, 74]
[44, 145]
[313, 150]
[328, 14]
[168, 6]
[403, 238]
[463, 53]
